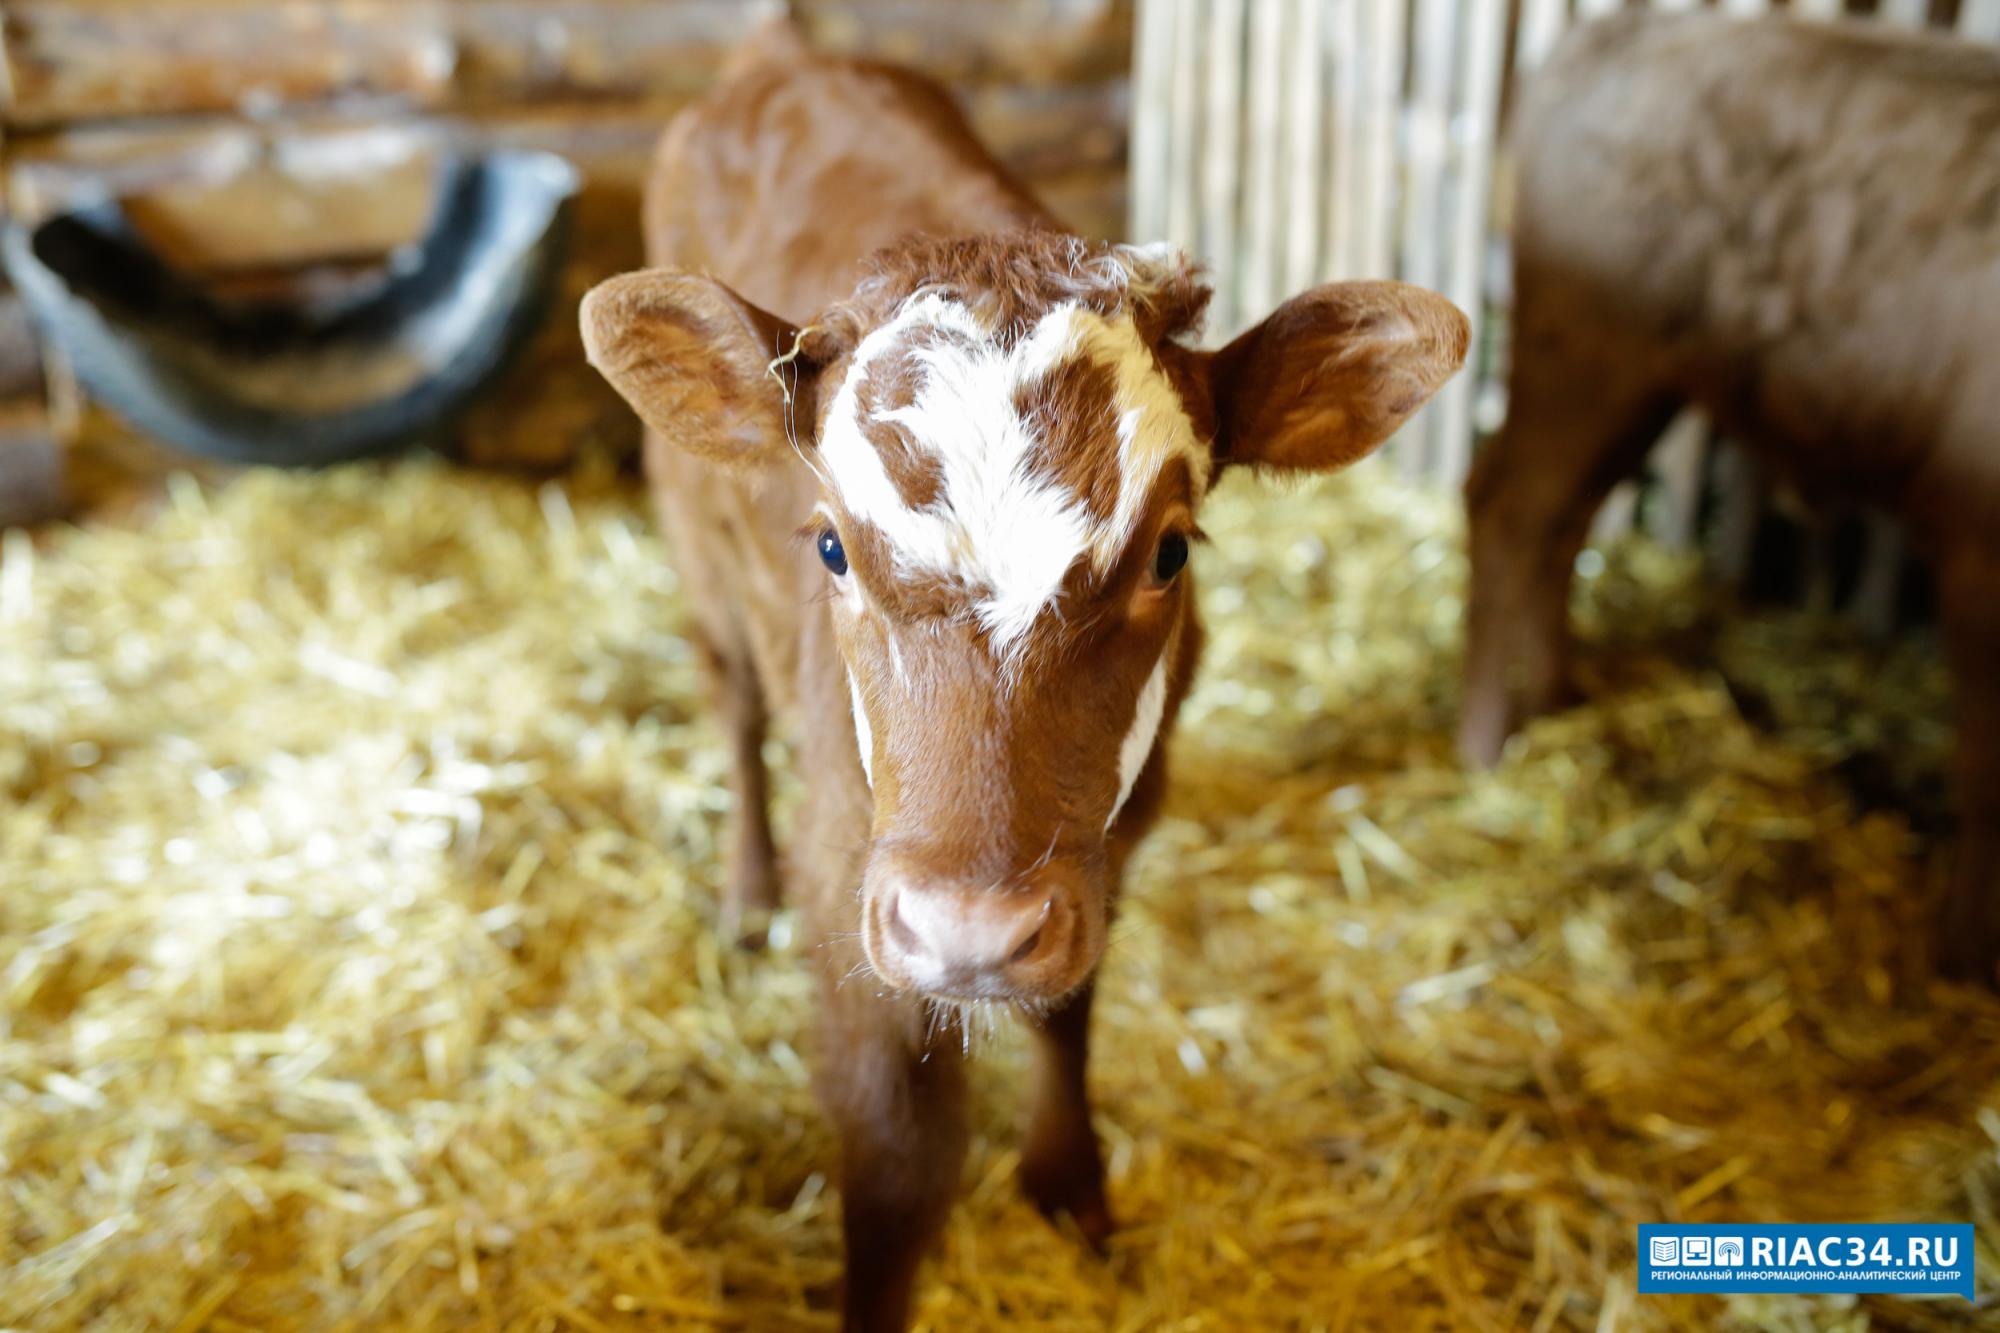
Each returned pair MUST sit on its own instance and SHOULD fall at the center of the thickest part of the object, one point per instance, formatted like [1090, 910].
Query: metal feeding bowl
[316, 380]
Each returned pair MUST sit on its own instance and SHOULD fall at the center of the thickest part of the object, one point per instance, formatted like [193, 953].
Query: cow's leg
[897, 1102]
[1062, 1170]
[750, 885]
[686, 496]
[1584, 404]
[1969, 589]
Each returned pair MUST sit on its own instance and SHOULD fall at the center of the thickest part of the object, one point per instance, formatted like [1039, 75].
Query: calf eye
[1170, 558]
[834, 556]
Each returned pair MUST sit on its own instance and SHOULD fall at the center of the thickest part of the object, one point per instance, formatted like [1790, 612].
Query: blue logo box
[1914, 1259]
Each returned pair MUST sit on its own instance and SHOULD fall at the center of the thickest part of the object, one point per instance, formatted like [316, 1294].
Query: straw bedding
[357, 965]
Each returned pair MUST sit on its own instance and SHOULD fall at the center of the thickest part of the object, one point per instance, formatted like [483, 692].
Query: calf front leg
[1583, 406]
[686, 501]
[897, 1102]
[1969, 926]
[750, 877]
[1062, 1169]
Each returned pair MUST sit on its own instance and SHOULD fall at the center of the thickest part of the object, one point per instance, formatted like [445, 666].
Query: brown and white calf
[1796, 226]
[931, 469]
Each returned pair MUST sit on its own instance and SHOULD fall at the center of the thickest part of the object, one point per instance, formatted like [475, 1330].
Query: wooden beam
[69, 61]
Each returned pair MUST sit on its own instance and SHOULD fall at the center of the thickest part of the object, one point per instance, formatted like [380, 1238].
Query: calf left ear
[706, 369]
[1332, 373]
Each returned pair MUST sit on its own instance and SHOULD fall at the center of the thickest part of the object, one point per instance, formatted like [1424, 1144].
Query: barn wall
[223, 115]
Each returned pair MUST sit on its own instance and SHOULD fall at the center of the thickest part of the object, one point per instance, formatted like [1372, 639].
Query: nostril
[1040, 937]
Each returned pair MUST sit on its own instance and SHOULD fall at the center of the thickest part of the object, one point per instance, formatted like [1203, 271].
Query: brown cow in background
[1796, 227]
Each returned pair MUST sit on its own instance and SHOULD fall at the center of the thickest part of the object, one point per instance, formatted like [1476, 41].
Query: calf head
[1012, 445]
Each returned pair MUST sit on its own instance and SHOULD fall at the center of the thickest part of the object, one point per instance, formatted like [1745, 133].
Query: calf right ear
[1332, 373]
[703, 367]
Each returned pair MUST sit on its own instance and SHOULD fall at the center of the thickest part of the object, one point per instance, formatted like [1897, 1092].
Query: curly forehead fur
[1008, 280]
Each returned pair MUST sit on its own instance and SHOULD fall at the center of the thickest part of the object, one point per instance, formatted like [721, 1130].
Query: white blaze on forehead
[999, 522]
[1138, 741]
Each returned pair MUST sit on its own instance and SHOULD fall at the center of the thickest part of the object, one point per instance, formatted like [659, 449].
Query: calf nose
[970, 944]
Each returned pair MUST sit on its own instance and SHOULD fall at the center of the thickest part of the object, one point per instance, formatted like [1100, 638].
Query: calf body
[930, 468]
[1798, 228]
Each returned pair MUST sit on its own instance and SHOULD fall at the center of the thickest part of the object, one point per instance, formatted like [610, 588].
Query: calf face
[1012, 446]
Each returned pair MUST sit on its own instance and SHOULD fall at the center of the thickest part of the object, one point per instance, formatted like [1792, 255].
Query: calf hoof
[1079, 1196]
[1483, 733]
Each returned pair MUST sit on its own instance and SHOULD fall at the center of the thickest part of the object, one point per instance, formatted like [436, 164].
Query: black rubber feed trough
[305, 383]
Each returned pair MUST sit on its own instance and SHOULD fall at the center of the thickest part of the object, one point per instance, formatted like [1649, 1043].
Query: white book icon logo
[1666, 1249]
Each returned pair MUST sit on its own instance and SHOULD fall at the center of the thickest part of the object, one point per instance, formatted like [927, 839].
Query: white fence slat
[1222, 151]
[1263, 201]
[1614, 517]
[1426, 147]
[1485, 38]
[1347, 158]
[1305, 123]
[1184, 121]
[1679, 462]
[1906, 13]
[1980, 19]
[1382, 42]
[1541, 24]
[1153, 79]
